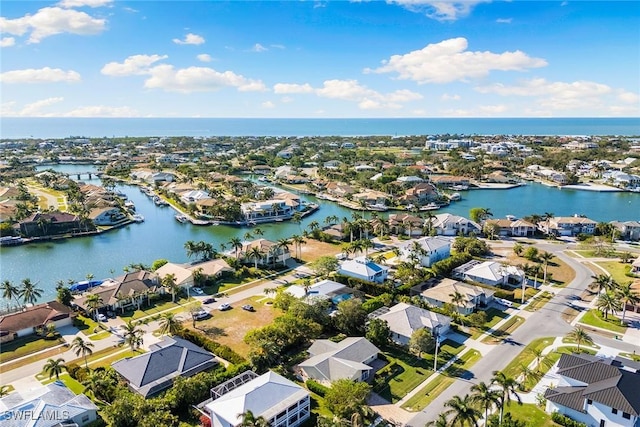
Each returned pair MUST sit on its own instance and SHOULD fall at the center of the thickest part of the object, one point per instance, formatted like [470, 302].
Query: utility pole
[435, 357]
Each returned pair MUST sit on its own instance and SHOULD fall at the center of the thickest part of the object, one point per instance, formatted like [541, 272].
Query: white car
[200, 314]
[102, 317]
[197, 291]
[224, 307]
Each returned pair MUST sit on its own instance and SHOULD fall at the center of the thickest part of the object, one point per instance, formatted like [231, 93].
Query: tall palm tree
[10, 291]
[579, 335]
[94, 302]
[236, 244]
[55, 367]
[545, 257]
[483, 395]
[508, 387]
[626, 295]
[132, 334]
[250, 420]
[441, 421]
[366, 244]
[602, 282]
[28, 292]
[297, 241]
[256, 254]
[463, 411]
[283, 246]
[608, 302]
[169, 282]
[169, 325]
[457, 299]
[190, 247]
[82, 347]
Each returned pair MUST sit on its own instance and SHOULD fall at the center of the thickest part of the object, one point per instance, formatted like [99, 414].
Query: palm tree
[132, 334]
[236, 244]
[579, 335]
[626, 295]
[55, 367]
[256, 254]
[250, 420]
[463, 411]
[94, 302]
[545, 257]
[608, 302]
[366, 244]
[190, 248]
[169, 325]
[602, 282]
[169, 282]
[283, 246]
[508, 387]
[547, 218]
[539, 357]
[28, 292]
[526, 374]
[441, 421]
[248, 236]
[483, 395]
[82, 347]
[298, 240]
[457, 299]
[10, 291]
[4, 390]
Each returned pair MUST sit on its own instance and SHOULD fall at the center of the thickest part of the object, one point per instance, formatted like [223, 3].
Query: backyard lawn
[595, 318]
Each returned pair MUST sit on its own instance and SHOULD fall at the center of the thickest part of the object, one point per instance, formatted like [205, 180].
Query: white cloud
[81, 3]
[444, 10]
[258, 48]
[450, 60]
[268, 104]
[628, 97]
[277, 46]
[351, 90]
[504, 20]
[133, 65]
[540, 87]
[292, 88]
[492, 109]
[198, 79]
[447, 97]
[286, 99]
[41, 75]
[190, 39]
[204, 57]
[103, 111]
[7, 41]
[49, 21]
[34, 109]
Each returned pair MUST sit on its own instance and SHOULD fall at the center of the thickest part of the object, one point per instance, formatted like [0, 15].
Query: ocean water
[22, 127]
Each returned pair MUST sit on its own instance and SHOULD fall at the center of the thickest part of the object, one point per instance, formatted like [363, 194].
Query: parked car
[248, 307]
[208, 300]
[197, 291]
[200, 314]
[102, 317]
[224, 307]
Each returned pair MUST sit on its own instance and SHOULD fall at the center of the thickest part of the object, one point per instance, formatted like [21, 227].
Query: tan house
[474, 296]
[507, 227]
[26, 322]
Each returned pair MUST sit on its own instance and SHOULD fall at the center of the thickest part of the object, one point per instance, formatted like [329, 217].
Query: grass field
[530, 414]
[25, 346]
[617, 270]
[525, 357]
[595, 318]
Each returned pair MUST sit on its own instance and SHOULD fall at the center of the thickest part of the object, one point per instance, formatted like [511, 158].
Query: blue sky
[399, 58]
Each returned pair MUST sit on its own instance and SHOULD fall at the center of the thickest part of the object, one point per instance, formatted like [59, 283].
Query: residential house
[411, 225]
[622, 179]
[450, 181]
[261, 169]
[339, 189]
[422, 193]
[332, 164]
[489, 273]
[427, 250]
[348, 359]
[629, 230]
[152, 177]
[323, 290]
[49, 224]
[272, 253]
[28, 321]
[194, 196]
[278, 400]
[508, 227]
[372, 197]
[212, 268]
[568, 225]
[150, 373]
[123, 292]
[453, 225]
[107, 216]
[52, 405]
[404, 319]
[596, 391]
[474, 297]
[364, 268]
[635, 267]
[266, 210]
[182, 274]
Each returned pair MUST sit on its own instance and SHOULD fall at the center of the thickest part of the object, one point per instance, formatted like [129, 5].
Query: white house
[490, 273]
[453, 225]
[404, 319]
[365, 269]
[569, 225]
[323, 290]
[281, 402]
[595, 391]
[106, 216]
[427, 249]
[266, 210]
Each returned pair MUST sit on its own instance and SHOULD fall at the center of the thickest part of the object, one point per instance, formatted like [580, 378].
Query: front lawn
[71, 384]
[525, 357]
[26, 346]
[595, 318]
[181, 304]
[493, 317]
[403, 373]
[530, 414]
[539, 301]
[504, 330]
[617, 270]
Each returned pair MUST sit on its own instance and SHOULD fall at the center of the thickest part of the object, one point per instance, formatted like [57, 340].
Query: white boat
[159, 202]
[455, 196]
[138, 218]
[460, 187]
[511, 217]
[430, 207]
[181, 218]
[378, 207]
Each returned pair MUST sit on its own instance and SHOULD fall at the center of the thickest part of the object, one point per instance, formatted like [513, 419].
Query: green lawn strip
[100, 336]
[168, 306]
[47, 354]
[566, 340]
[548, 362]
[493, 317]
[595, 318]
[539, 301]
[530, 414]
[525, 357]
[507, 328]
[25, 346]
[428, 393]
[617, 270]
[460, 366]
[86, 325]
[72, 384]
[407, 372]
[107, 361]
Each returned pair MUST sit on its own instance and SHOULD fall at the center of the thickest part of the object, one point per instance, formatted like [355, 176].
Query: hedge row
[366, 287]
[316, 387]
[216, 348]
[565, 421]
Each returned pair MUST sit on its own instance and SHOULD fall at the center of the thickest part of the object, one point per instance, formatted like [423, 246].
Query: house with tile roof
[447, 224]
[323, 290]
[508, 227]
[364, 268]
[569, 225]
[404, 319]
[280, 401]
[26, 322]
[152, 372]
[629, 230]
[348, 359]
[474, 296]
[596, 391]
[52, 405]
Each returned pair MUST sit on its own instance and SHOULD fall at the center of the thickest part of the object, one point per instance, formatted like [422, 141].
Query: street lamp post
[435, 357]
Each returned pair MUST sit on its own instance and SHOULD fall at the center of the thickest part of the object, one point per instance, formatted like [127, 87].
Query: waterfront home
[489, 273]
[420, 194]
[193, 196]
[339, 189]
[124, 292]
[364, 268]
[173, 357]
[449, 181]
[372, 197]
[453, 225]
[33, 319]
[323, 290]
[212, 268]
[596, 391]
[281, 402]
[622, 179]
[409, 181]
[266, 210]
[261, 169]
[568, 225]
[426, 250]
[52, 405]
[474, 297]
[152, 177]
[182, 274]
[107, 216]
[408, 224]
[404, 319]
[49, 224]
[271, 253]
[629, 230]
[348, 359]
[509, 227]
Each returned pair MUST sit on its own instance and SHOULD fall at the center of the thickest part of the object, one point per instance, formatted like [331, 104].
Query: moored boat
[138, 218]
[181, 218]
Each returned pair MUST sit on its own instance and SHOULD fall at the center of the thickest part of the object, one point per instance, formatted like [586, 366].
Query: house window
[602, 423]
[365, 375]
[589, 401]
[626, 415]
[614, 411]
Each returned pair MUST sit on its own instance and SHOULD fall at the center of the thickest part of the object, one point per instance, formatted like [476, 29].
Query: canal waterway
[161, 236]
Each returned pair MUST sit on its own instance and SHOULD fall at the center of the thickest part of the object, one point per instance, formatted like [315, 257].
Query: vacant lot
[557, 271]
[229, 327]
[314, 249]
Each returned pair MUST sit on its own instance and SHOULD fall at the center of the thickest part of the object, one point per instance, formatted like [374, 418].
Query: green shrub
[316, 387]
[565, 421]
[216, 348]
